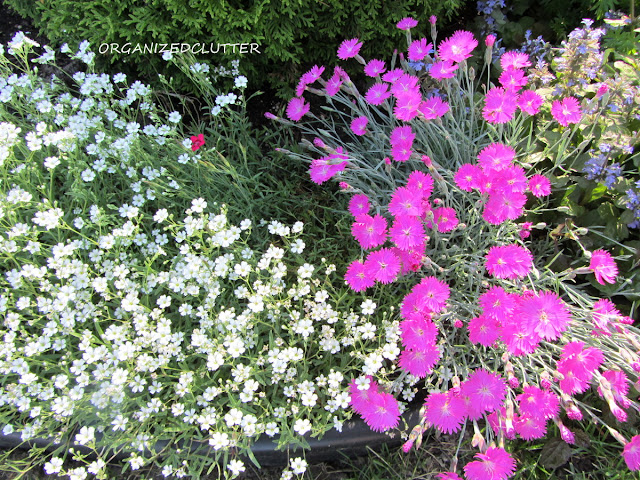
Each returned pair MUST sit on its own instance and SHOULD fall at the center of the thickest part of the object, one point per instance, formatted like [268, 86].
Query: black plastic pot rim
[354, 440]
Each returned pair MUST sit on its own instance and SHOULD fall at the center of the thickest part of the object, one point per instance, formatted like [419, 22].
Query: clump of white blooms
[125, 316]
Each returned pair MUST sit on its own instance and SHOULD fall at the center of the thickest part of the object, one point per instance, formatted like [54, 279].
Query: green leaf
[555, 453]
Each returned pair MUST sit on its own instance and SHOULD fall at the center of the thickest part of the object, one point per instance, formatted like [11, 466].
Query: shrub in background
[289, 32]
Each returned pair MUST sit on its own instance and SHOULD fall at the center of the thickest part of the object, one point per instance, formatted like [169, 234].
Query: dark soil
[11, 23]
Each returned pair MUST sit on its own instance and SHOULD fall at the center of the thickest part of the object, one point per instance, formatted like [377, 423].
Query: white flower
[53, 466]
[136, 462]
[302, 426]
[233, 417]
[119, 77]
[305, 271]
[368, 307]
[240, 82]
[298, 465]
[51, 162]
[242, 269]
[219, 440]
[49, 219]
[86, 435]
[297, 227]
[167, 55]
[236, 467]
[88, 175]
[244, 224]
[161, 215]
[298, 246]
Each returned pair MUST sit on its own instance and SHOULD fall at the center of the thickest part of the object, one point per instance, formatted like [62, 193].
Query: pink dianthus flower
[369, 231]
[485, 392]
[445, 411]
[500, 105]
[494, 464]
[458, 47]
[333, 85]
[496, 157]
[377, 93]
[434, 107]
[544, 314]
[322, 170]
[382, 265]
[357, 277]
[468, 177]
[393, 75]
[529, 102]
[497, 303]
[407, 105]
[514, 60]
[349, 48]
[406, 201]
[406, 23]
[513, 80]
[418, 332]
[359, 204]
[530, 428]
[401, 152]
[445, 219]
[443, 69]
[484, 330]
[382, 413]
[603, 266]
[297, 108]
[509, 261]
[374, 67]
[631, 453]
[539, 185]
[566, 111]
[419, 362]
[433, 293]
[420, 181]
[419, 49]
[538, 403]
[360, 396]
[406, 232]
[359, 125]
[504, 205]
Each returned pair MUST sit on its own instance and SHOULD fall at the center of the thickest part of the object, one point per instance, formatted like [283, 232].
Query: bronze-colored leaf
[555, 453]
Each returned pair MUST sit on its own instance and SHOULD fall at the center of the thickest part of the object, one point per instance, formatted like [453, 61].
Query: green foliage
[288, 32]
[595, 165]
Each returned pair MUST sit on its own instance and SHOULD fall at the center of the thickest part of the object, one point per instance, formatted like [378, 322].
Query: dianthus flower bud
[617, 412]
[319, 143]
[490, 40]
[509, 429]
[565, 433]
[573, 412]
[478, 441]
[455, 388]
[602, 89]
[406, 447]
[545, 380]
